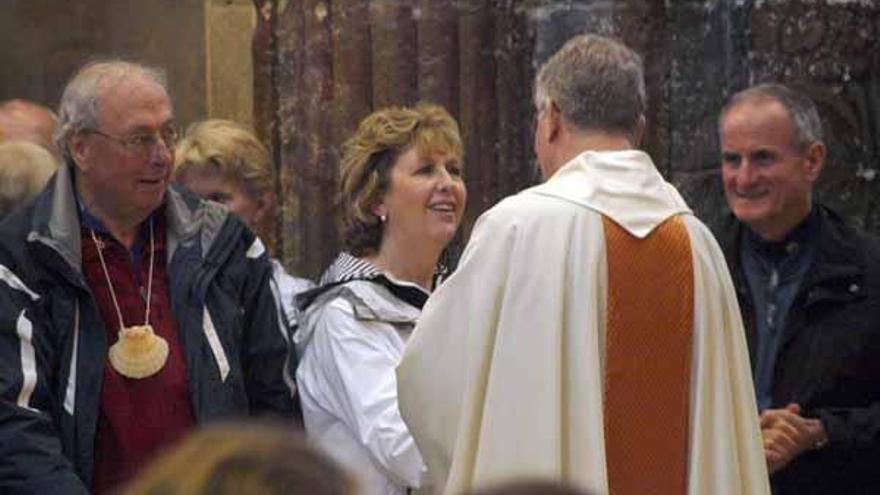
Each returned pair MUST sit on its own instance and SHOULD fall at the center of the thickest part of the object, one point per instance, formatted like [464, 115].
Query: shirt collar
[794, 242]
[89, 221]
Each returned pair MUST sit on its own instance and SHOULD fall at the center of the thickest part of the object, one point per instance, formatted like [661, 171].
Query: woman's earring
[383, 218]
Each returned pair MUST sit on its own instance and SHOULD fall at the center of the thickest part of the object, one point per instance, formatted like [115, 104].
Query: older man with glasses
[129, 311]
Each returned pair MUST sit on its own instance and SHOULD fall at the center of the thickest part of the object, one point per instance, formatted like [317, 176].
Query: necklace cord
[150, 277]
[110, 283]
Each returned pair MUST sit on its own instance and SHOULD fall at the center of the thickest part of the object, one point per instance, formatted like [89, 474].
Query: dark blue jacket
[828, 359]
[53, 343]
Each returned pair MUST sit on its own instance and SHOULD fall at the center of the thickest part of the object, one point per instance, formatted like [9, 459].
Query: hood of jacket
[55, 221]
[373, 295]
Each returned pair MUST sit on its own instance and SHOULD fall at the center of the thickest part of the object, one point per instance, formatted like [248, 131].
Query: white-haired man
[591, 331]
[129, 312]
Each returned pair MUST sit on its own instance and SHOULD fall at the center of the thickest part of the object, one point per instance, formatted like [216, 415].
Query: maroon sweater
[138, 416]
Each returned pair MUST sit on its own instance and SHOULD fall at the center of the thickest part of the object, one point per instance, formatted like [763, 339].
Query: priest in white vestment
[591, 332]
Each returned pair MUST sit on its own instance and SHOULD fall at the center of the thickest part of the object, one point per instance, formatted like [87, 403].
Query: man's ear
[639, 135]
[815, 160]
[78, 147]
[554, 121]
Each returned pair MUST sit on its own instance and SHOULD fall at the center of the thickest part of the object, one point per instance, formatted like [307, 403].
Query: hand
[787, 434]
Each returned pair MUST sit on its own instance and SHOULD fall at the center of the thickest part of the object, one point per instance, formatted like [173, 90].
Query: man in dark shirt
[809, 289]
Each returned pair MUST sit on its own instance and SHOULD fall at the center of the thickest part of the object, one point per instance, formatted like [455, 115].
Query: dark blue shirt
[775, 272]
[90, 221]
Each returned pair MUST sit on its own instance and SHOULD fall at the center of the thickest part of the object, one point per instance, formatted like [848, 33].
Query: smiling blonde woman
[403, 192]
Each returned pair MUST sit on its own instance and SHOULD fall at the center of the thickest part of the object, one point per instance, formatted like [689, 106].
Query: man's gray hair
[78, 109]
[806, 124]
[596, 83]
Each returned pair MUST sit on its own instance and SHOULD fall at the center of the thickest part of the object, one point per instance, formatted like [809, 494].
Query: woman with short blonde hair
[403, 193]
[223, 161]
[229, 152]
[25, 168]
[369, 154]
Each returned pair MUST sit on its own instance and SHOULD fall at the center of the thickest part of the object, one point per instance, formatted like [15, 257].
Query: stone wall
[332, 62]
[203, 44]
[46, 40]
[320, 66]
[337, 61]
[827, 48]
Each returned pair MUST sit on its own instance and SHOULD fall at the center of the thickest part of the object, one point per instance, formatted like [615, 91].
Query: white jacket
[350, 339]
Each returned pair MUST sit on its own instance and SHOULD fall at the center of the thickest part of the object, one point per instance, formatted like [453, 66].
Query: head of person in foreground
[252, 458]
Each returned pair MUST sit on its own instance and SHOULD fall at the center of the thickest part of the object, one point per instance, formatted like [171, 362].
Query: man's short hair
[596, 83]
[806, 124]
[229, 149]
[78, 109]
[25, 168]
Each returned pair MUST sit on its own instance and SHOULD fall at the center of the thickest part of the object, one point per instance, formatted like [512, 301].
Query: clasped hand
[787, 434]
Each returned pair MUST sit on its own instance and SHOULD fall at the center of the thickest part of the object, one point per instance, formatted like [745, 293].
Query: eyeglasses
[143, 142]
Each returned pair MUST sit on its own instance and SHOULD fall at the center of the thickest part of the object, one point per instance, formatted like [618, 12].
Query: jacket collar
[836, 274]
[838, 256]
[346, 268]
[56, 222]
[372, 294]
[622, 185]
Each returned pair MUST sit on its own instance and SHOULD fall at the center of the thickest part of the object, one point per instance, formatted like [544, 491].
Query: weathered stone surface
[307, 151]
[45, 41]
[829, 50]
[321, 66]
[479, 58]
[471, 57]
[229, 69]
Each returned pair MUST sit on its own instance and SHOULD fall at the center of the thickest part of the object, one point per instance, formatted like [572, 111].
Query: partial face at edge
[213, 185]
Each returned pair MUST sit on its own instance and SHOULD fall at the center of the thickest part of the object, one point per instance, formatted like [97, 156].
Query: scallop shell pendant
[139, 352]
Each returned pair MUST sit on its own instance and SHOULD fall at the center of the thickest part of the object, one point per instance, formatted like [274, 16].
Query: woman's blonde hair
[25, 168]
[228, 148]
[367, 158]
[259, 459]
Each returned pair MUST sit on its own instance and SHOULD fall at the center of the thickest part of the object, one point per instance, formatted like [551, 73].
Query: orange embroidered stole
[648, 358]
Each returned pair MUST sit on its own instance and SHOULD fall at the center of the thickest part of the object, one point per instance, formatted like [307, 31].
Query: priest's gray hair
[596, 83]
[78, 109]
[806, 123]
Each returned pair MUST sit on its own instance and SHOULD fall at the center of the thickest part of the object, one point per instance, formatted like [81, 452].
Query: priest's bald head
[590, 95]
